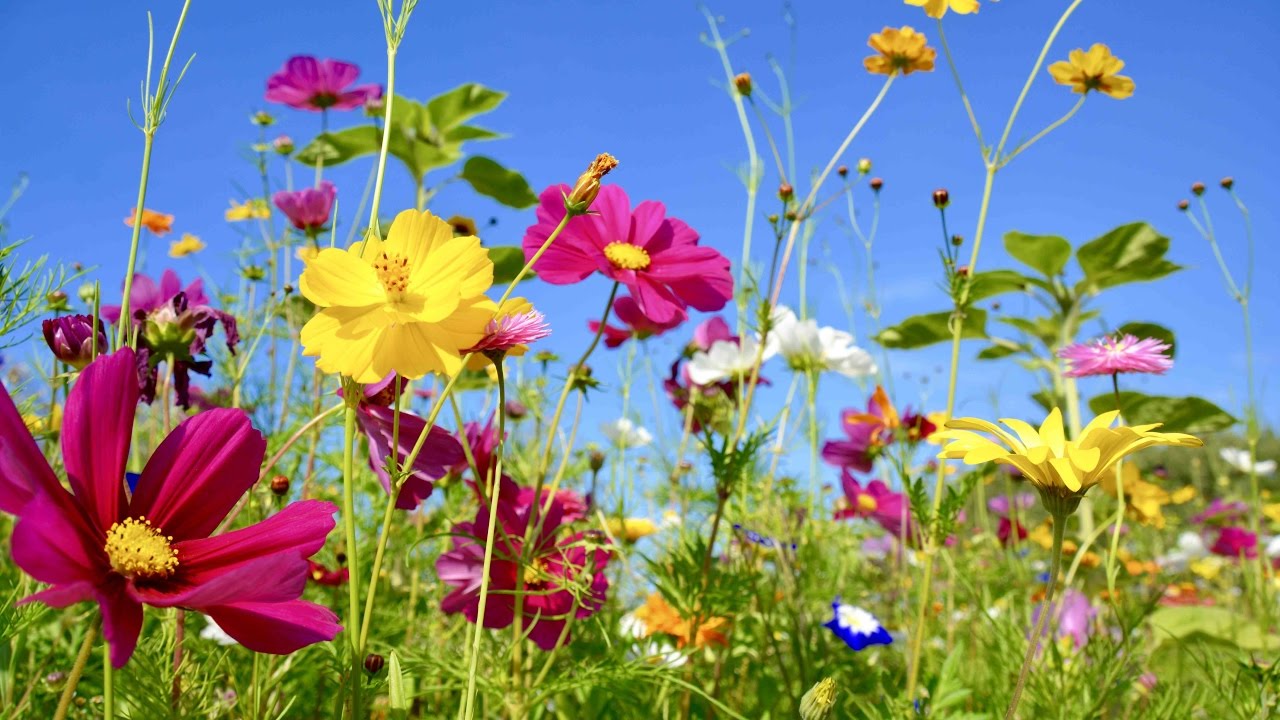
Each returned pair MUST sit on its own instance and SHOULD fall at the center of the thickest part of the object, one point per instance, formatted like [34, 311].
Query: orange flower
[659, 617]
[157, 222]
[1093, 70]
[902, 50]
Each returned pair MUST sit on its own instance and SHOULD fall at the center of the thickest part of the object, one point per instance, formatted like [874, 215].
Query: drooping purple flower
[71, 338]
[308, 209]
[308, 83]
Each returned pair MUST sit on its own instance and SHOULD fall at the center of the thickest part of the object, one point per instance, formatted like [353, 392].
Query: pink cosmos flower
[1108, 356]
[658, 258]
[565, 577]
[1220, 512]
[1235, 541]
[145, 297]
[515, 331]
[1075, 619]
[306, 83]
[876, 502]
[72, 338]
[635, 324]
[308, 209]
[152, 546]
[440, 451]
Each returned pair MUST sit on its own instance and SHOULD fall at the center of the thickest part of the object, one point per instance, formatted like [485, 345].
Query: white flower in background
[625, 434]
[670, 519]
[1239, 459]
[212, 631]
[809, 347]
[652, 651]
[1191, 547]
[1273, 547]
[726, 360]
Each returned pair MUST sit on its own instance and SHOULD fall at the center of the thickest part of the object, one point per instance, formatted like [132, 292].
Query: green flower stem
[1046, 609]
[564, 222]
[77, 670]
[353, 621]
[964, 97]
[1118, 523]
[388, 99]
[108, 684]
[122, 328]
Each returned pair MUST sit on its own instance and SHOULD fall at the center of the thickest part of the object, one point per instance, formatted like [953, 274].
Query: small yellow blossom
[1093, 70]
[306, 253]
[631, 529]
[1207, 568]
[44, 422]
[938, 8]
[901, 50]
[1143, 500]
[188, 245]
[252, 209]
[157, 222]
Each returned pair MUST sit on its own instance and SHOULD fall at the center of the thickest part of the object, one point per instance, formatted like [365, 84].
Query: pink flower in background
[153, 547]
[307, 83]
[658, 258]
[1109, 356]
[1075, 619]
[635, 324]
[73, 338]
[308, 209]
[1220, 512]
[1235, 541]
[878, 503]
[146, 296]
[551, 578]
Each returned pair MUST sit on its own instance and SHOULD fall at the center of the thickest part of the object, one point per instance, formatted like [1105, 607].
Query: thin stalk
[1118, 523]
[148, 139]
[1040, 135]
[1046, 608]
[388, 101]
[964, 97]
[77, 670]
[1035, 71]
[353, 552]
[108, 684]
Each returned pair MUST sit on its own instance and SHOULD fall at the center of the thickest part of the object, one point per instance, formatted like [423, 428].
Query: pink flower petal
[121, 620]
[53, 543]
[23, 469]
[276, 628]
[96, 431]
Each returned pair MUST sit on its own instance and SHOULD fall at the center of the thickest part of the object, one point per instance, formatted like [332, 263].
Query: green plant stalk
[564, 222]
[108, 684]
[812, 404]
[77, 670]
[148, 139]
[389, 100]
[1118, 523]
[353, 552]
[1046, 609]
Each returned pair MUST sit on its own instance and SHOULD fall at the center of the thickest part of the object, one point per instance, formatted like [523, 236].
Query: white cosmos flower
[212, 631]
[1239, 459]
[625, 434]
[1191, 547]
[809, 347]
[726, 360]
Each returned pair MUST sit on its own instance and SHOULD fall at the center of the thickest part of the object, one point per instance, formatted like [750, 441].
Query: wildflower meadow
[552, 361]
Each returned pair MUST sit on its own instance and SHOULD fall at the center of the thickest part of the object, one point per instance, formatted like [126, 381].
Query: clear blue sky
[633, 79]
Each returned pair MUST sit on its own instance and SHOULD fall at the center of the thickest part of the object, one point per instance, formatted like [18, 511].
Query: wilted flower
[306, 83]
[1093, 70]
[587, 187]
[157, 222]
[308, 209]
[188, 245]
[1124, 354]
[900, 51]
[858, 628]
[71, 338]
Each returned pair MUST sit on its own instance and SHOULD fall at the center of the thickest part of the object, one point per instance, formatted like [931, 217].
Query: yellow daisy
[901, 50]
[407, 304]
[938, 8]
[631, 529]
[252, 209]
[188, 245]
[1093, 70]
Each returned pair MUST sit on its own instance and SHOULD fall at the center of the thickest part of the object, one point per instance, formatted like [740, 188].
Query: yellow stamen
[534, 571]
[137, 549]
[393, 272]
[866, 503]
[626, 256]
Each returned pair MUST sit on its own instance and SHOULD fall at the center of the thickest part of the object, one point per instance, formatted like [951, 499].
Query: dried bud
[773, 218]
[864, 166]
[57, 300]
[373, 663]
[785, 191]
[516, 410]
[588, 185]
[462, 226]
[791, 215]
[957, 240]
[1197, 188]
[280, 485]
[742, 81]
[1183, 205]
[818, 703]
[283, 145]
[843, 171]
[288, 289]
[262, 118]
[963, 271]
[1227, 182]
[70, 337]
[941, 198]
[995, 306]
[596, 459]
[876, 184]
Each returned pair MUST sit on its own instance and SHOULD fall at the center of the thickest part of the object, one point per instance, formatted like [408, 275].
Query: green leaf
[1047, 400]
[1181, 623]
[506, 186]
[470, 132]
[995, 352]
[996, 282]
[461, 104]
[338, 147]
[507, 261]
[921, 330]
[1047, 254]
[1044, 329]
[1129, 253]
[395, 683]
[1190, 414]
[1149, 330]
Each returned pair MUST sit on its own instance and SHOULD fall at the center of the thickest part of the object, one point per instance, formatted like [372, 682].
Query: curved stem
[1046, 609]
[1035, 70]
[77, 670]
[1038, 136]
[964, 97]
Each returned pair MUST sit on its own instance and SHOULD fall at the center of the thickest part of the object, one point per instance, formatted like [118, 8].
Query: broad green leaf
[338, 147]
[1129, 253]
[995, 352]
[1044, 329]
[507, 261]
[1047, 254]
[1149, 330]
[1181, 623]
[470, 132]
[1190, 414]
[506, 186]
[461, 104]
[921, 330]
[996, 282]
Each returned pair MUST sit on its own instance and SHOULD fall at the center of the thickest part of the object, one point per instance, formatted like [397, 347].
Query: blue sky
[633, 79]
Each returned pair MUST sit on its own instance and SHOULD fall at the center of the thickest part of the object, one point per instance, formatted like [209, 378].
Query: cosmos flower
[858, 628]
[726, 361]
[71, 338]
[1144, 501]
[153, 546]
[309, 209]
[1235, 541]
[188, 245]
[1239, 459]
[656, 257]
[408, 304]
[251, 209]
[1093, 70]
[1075, 618]
[938, 8]
[307, 83]
[1220, 512]
[900, 51]
[624, 433]
[321, 575]
[157, 222]
[513, 328]
[809, 348]
[888, 509]
[868, 432]
[635, 324]
[658, 617]
[1109, 356]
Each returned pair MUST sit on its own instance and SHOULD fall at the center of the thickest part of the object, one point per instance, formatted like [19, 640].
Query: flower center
[137, 549]
[534, 571]
[393, 272]
[626, 256]
[867, 504]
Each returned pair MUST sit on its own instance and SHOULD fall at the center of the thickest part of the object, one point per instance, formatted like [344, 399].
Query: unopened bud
[742, 81]
[941, 198]
[957, 240]
[462, 226]
[785, 191]
[587, 187]
[280, 485]
[57, 300]
[1183, 205]
[373, 663]
[773, 218]
[86, 293]
[254, 273]
[791, 215]
[843, 171]
[1197, 188]
[262, 118]
[73, 338]
[283, 144]
[876, 184]
[288, 289]
[864, 166]
[818, 703]
[596, 460]
[516, 410]
[963, 271]
[1227, 182]
[77, 266]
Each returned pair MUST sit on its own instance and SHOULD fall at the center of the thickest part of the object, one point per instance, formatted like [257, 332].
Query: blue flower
[856, 627]
[761, 540]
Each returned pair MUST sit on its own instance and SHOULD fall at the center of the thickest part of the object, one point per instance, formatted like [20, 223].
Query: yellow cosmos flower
[253, 209]
[407, 304]
[631, 529]
[938, 8]
[901, 50]
[1093, 70]
[1143, 500]
[188, 245]
[1061, 469]
[306, 253]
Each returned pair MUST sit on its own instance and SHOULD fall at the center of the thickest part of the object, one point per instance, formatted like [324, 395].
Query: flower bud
[773, 218]
[843, 171]
[516, 410]
[818, 703]
[588, 185]
[262, 118]
[941, 198]
[373, 663]
[791, 215]
[963, 271]
[374, 107]
[288, 289]
[87, 293]
[785, 191]
[462, 226]
[742, 81]
[1227, 182]
[283, 145]
[596, 459]
[71, 338]
[1183, 205]
[254, 273]
[876, 184]
[57, 301]
[1197, 188]
[957, 240]
[280, 485]
[864, 166]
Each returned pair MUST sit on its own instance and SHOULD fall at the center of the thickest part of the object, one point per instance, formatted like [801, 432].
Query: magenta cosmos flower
[146, 296]
[307, 83]
[308, 209]
[1109, 356]
[1235, 541]
[152, 546]
[878, 503]
[564, 578]
[658, 258]
[635, 324]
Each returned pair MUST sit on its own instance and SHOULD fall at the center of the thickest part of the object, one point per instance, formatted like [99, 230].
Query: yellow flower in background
[252, 209]
[157, 222]
[1058, 467]
[1143, 500]
[188, 245]
[306, 253]
[38, 423]
[1207, 568]
[631, 529]
[938, 8]
[1093, 70]
[1272, 511]
[407, 304]
[901, 50]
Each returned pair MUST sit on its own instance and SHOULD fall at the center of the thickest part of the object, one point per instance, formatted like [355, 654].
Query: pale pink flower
[1109, 356]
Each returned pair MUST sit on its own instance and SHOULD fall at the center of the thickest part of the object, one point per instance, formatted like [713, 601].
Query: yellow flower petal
[336, 277]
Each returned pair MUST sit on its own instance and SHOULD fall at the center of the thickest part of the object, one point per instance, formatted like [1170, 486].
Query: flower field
[329, 446]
